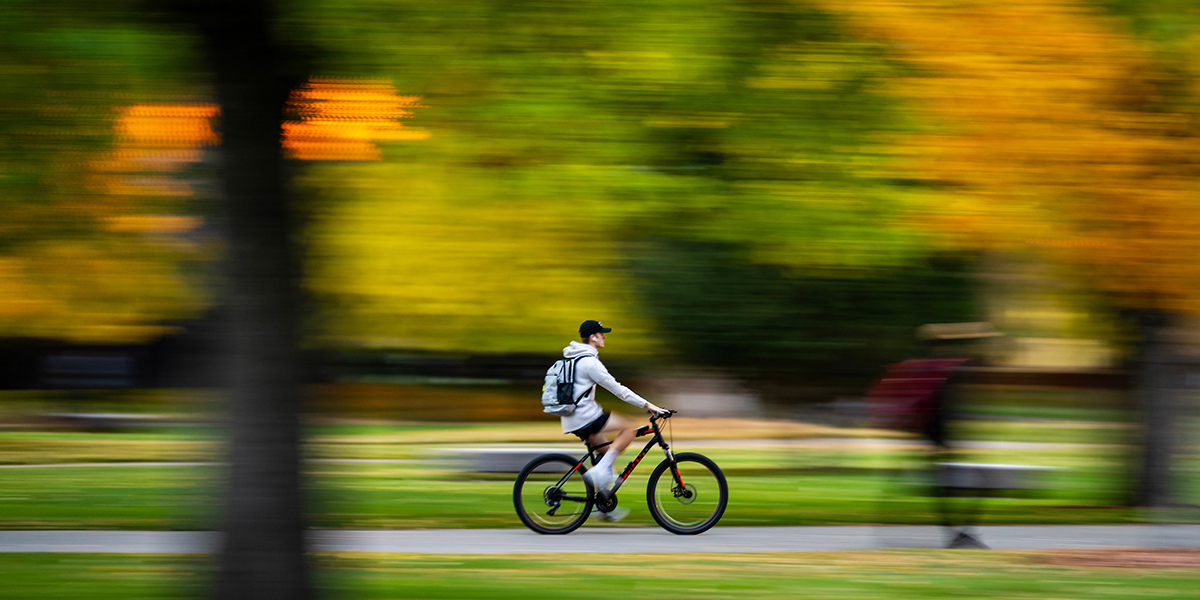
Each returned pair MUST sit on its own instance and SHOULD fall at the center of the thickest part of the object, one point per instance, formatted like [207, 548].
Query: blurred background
[764, 199]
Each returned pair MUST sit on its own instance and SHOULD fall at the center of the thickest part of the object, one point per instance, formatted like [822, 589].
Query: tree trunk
[263, 554]
[1154, 405]
[1170, 355]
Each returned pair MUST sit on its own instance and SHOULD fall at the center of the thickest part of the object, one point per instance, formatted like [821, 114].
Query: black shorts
[596, 426]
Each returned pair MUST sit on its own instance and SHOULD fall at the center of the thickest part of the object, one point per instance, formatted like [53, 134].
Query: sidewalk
[720, 540]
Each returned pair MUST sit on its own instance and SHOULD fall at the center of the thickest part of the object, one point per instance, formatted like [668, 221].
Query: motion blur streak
[153, 141]
[342, 119]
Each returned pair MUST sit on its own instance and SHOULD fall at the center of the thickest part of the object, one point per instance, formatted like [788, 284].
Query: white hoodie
[589, 371]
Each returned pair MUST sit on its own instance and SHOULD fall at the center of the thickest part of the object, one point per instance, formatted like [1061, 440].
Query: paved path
[625, 540]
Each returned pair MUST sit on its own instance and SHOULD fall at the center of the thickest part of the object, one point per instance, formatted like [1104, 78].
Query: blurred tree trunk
[1169, 357]
[1153, 396]
[263, 554]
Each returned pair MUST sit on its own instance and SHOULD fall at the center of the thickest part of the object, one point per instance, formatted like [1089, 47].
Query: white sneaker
[617, 514]
[601, 480]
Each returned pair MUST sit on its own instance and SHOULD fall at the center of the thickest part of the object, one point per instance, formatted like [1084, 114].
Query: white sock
[609, 459]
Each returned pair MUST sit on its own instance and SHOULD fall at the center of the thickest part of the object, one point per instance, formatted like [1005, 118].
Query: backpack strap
[569, 369]
[584, 395]
[572, 377]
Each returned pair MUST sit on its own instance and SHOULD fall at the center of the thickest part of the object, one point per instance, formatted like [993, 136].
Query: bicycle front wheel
[550, 496]
[689, 498]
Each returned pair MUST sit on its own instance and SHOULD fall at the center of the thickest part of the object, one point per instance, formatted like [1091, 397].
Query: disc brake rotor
[686, 494]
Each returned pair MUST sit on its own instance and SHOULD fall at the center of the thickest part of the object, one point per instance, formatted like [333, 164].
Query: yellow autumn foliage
[412, 257]
[1050, 129]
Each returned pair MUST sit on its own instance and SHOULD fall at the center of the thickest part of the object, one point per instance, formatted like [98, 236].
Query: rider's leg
[624, 435]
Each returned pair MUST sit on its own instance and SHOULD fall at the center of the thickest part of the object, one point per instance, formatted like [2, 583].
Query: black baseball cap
[589, 327]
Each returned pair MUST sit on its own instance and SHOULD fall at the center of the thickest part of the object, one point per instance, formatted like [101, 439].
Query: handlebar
[647, 429]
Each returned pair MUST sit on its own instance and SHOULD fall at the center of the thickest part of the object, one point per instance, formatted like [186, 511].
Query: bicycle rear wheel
[550, 497]
[696, 505]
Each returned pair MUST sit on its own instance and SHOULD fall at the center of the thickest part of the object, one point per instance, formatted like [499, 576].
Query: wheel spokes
[551, 503]
[692, 504]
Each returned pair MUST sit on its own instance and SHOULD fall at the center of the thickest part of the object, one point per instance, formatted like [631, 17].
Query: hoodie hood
[579, 349]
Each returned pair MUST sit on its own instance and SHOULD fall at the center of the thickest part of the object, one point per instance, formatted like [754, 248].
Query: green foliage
[797, 330]
[65, 271]
[565, 141]
[572, 145]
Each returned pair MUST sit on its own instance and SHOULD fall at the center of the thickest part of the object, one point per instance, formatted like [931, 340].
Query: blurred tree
[797, 338]
[776, 245]
[254, 73]
[1052, 128]
[578, 153]
[92, 247]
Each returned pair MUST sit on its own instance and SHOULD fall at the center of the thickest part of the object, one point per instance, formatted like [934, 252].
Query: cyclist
[589, 422]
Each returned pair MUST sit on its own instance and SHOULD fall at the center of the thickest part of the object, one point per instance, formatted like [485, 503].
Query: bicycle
[551, 495]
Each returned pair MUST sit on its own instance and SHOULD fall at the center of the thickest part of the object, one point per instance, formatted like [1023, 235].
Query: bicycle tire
[537, 505]
[677, 510]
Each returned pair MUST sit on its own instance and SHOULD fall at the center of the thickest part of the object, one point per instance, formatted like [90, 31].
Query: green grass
[768, 486]
[400, 496]
[1064, 413]
[102, 577]
[879, 575]
[1055, 432]
[141, 497]
[867, 576]
[785, 483]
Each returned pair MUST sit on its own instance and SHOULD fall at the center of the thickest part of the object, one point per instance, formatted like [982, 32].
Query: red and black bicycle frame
[595, 454]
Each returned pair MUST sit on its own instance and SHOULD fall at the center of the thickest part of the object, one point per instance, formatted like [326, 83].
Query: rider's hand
[654, 409]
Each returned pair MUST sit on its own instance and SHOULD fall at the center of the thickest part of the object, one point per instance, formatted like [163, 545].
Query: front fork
[679, 489]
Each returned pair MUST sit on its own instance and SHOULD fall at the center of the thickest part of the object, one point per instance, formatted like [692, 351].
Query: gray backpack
[558, 394]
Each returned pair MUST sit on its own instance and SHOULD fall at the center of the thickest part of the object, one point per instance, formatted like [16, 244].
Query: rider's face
[597, 340]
